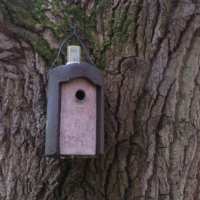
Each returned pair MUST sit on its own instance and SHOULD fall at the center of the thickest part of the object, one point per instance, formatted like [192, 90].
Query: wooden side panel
[78, 118]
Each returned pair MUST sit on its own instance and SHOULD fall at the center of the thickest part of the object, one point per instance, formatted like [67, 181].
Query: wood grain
[78, 119]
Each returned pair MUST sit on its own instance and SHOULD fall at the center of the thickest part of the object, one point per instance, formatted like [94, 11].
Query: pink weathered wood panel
[78, 119]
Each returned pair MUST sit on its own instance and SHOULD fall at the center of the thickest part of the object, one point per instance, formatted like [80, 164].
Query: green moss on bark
[42, 47]
[31, 18]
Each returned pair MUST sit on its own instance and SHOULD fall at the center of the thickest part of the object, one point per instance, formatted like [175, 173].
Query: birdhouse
[75, 110]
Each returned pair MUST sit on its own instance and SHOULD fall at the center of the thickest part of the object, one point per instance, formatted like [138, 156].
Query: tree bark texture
[149, 51]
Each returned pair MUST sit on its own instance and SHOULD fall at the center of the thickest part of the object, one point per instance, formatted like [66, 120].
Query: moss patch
[29, 16]
[42, 47]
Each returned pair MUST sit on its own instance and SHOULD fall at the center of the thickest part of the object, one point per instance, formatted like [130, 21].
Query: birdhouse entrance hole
[80, 95]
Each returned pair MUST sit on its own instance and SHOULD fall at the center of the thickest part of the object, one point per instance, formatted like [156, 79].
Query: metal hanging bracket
[71, 55]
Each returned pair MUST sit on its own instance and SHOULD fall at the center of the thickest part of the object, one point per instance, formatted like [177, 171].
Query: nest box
[75, 111]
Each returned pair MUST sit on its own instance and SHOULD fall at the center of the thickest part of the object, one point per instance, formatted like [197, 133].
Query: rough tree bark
[149, 52]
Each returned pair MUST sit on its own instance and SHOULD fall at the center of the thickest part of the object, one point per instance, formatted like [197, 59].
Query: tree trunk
[149, 52]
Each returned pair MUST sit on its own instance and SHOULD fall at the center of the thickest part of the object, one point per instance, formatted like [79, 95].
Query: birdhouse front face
[78, 113]
[74, 111]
